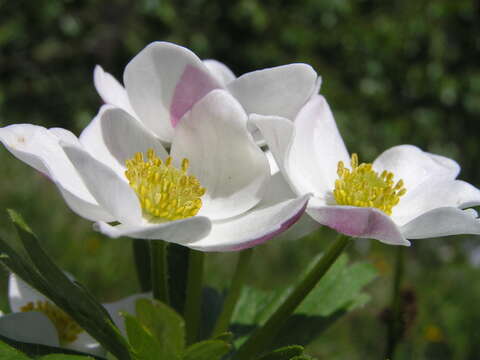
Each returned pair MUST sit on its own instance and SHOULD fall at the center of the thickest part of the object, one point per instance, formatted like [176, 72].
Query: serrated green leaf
[9, 353]
[284, 353]
[338, 292]
[165, 325]
[207, 350]
[144, 344]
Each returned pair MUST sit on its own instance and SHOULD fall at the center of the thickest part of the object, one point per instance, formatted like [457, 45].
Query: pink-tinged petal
[443, 221]
[219, 71]
[30, 327]
[436, 193]
[279, 91]
[414, 166]
[111, 91]
[163, 81]
[359, 222]
[40, 148]
[178, 231]
[111, 192]
[254, 227]
[193, 85]
[278, 210]
[222, 155]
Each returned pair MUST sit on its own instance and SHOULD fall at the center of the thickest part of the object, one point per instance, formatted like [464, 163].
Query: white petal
[163, 82]
[442, 222]
[114, 137]
[276, 213]
[20, 293]
[317, 148]
[279, 91]
[439, 192]
[178, 231]
[219, 71]
[414, 166]
[30, 327]
[87, 344]
[111, 192]
[223, 156]
[111, 91]
[358, 222]
[124, 305]
[271, 161]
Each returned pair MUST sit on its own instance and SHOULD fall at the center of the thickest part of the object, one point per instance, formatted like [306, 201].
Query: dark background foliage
[393, 71]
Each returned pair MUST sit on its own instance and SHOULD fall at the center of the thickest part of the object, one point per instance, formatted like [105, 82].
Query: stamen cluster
[362, 186]
[165, 192]
[67, 328]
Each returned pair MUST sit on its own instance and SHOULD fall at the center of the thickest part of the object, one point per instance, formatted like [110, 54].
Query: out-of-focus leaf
[9, 353]
[284, 353]
[207, 350]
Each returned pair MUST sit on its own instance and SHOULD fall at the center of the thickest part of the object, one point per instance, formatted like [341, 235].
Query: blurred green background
[393, 71]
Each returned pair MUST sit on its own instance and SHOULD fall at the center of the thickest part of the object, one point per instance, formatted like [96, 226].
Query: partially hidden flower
[36, 319]
[213, 191]
[165, 80]
[405, 193]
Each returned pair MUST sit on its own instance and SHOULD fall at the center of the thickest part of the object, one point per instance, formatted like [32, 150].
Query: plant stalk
[193, 301]
[264, 335]
[234, 292]
[159, 274]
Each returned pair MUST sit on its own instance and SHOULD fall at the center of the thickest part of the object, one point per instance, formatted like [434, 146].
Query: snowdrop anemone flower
[165, 80]
[36, 319]
[405, 193]
[212, 192]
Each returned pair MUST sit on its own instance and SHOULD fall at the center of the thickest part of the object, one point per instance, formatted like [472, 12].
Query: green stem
[264, 335]
[193, 302]
[159, 266]
[141, 254]
[394, 326]
[236, 286]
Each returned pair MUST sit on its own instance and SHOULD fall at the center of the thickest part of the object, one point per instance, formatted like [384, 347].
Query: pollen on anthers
[67, 329]
[362, 186]
[165, 192]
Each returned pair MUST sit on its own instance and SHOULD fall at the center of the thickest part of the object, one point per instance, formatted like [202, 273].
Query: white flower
[220, 198]
[36, 319]
[405, 194]
[165, 80]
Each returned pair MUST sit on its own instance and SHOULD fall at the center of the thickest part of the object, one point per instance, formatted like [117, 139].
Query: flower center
[364, 187]
[67, 328]
[165, 192]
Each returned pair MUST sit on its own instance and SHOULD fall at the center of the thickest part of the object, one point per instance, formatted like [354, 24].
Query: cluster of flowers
[183, 153]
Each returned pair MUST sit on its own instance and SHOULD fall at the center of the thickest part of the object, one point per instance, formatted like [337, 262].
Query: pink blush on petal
[193, 85]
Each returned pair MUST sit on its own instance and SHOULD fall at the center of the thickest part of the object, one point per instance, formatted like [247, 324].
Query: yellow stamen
[165, 192]
[362, 186]
[67, 328]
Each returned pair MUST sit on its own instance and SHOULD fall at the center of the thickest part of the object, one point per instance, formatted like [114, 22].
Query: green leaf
[338, 292]
[207, 350]
[37, 269]
[9, 353]
[165, 325]
[226, 336]
[285, 353]
[144, 345]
